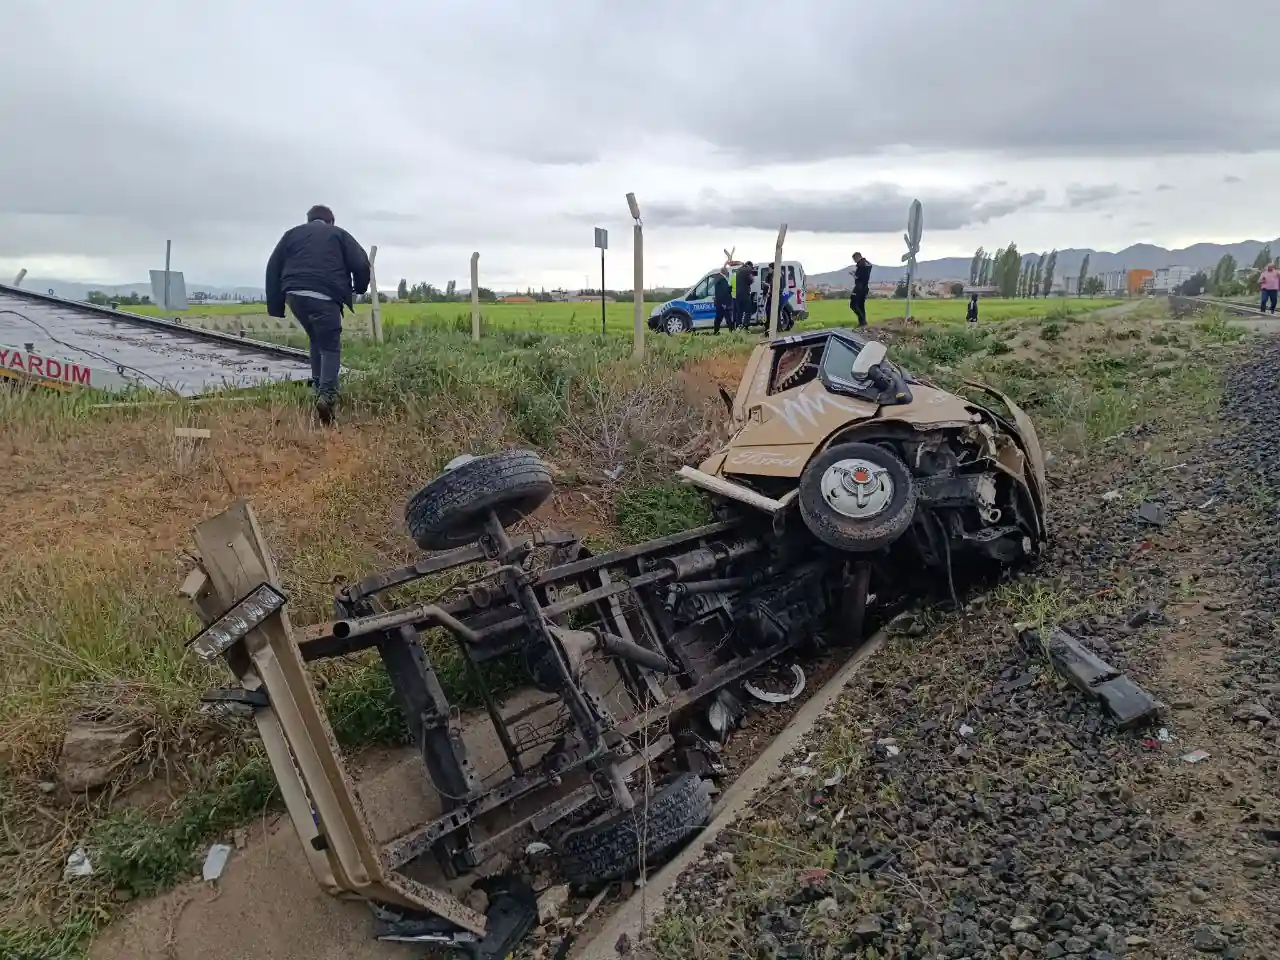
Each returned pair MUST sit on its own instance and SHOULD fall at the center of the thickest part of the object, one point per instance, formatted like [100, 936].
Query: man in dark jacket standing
[724, 300]
[861, 287]
[743, 307]
[317, 267]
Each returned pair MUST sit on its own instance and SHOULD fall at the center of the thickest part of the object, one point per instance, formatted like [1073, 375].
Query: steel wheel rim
[857, 488]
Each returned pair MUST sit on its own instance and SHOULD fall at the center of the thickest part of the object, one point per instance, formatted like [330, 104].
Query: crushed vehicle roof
[60, 342]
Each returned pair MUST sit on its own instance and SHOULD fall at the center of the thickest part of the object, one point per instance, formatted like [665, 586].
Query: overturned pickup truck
[844, 474]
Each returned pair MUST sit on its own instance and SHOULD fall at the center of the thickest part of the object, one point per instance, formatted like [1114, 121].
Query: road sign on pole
[602, 241]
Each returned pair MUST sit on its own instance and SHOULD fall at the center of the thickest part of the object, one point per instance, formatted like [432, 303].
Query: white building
[1115, 281]
[1167, 279]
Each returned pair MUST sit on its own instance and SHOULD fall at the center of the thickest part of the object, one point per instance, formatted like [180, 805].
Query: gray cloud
[1164, 187]
[879, 208]
[1081, 195]
[218, 139]
[1231, 178]
[927, 82]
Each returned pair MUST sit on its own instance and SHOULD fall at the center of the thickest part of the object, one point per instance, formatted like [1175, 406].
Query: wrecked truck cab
[878, 460]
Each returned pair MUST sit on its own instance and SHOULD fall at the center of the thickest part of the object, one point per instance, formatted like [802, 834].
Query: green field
[585, 317]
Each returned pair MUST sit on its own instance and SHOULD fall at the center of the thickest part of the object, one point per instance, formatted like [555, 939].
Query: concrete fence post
[475, 296]
[375, 313]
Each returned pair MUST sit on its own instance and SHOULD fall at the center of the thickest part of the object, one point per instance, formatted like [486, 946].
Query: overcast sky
[512, 127]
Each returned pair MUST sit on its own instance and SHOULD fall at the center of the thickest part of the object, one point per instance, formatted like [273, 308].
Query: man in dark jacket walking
[724, 300]
[861, 287]
[317, 267]
[744, 306]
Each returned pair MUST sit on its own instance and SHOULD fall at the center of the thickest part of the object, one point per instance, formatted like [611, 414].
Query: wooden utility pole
[637, 352]
[776, 294]
[375, 313]
[475, 296]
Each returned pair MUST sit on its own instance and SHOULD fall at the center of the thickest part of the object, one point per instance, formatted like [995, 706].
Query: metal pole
[776, 294]
[911, 269]
[602, 326]
[638, 352]
[375, 315]
[637, 245]
[168, 249]
[475, 296]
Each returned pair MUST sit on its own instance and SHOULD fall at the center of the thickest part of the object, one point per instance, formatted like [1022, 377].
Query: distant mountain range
[1199, 256]
[1140, 256]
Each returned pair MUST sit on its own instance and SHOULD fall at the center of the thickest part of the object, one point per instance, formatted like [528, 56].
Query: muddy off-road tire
[451, 510]
[887, 514]
[606, 851]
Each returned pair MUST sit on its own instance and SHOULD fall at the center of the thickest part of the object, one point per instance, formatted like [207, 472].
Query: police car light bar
[243, 618]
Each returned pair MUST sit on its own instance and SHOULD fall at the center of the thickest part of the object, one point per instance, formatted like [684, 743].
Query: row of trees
[1012, 274]
[124, 299]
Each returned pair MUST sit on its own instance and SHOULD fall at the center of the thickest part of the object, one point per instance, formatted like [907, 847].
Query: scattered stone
[828, 907]
[1019, 924]
[1252, 711]
[93, 751]
[1153, 514]
[1209, 940]
[867, 929]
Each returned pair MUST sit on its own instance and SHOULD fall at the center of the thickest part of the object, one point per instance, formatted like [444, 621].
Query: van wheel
[857, 497]
[675, 323]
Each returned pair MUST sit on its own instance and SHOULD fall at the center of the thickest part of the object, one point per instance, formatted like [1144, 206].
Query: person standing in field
[743, 305]
[861, 287]
[317, 268]
[971, 314]
[1269, 281]
[724, 299]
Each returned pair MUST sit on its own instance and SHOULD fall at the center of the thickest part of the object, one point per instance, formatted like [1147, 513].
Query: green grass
[102, 625]
[584, 318]
[645, 513]
[133, 853]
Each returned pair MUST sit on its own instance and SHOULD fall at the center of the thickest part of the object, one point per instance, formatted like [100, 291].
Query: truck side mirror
[867, 358]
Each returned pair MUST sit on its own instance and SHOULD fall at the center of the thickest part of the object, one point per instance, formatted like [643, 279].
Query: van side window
[703, 289]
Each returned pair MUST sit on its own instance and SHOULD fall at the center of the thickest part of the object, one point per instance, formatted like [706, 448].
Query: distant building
[1114, 282]
[883, 288]
[517, 298]
[942, 289]
[1139, 281]
[1167, 279]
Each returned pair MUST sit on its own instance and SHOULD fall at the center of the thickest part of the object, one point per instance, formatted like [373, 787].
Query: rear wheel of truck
[451, 510]
[857, 497]
[609, 849]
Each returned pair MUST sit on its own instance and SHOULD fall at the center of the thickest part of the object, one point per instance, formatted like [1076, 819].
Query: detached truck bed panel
[64, 344]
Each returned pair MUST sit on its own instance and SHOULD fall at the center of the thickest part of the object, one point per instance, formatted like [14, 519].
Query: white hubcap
[675, 325]
[857, 488]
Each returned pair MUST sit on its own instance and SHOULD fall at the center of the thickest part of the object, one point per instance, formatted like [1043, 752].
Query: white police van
[696, 309]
